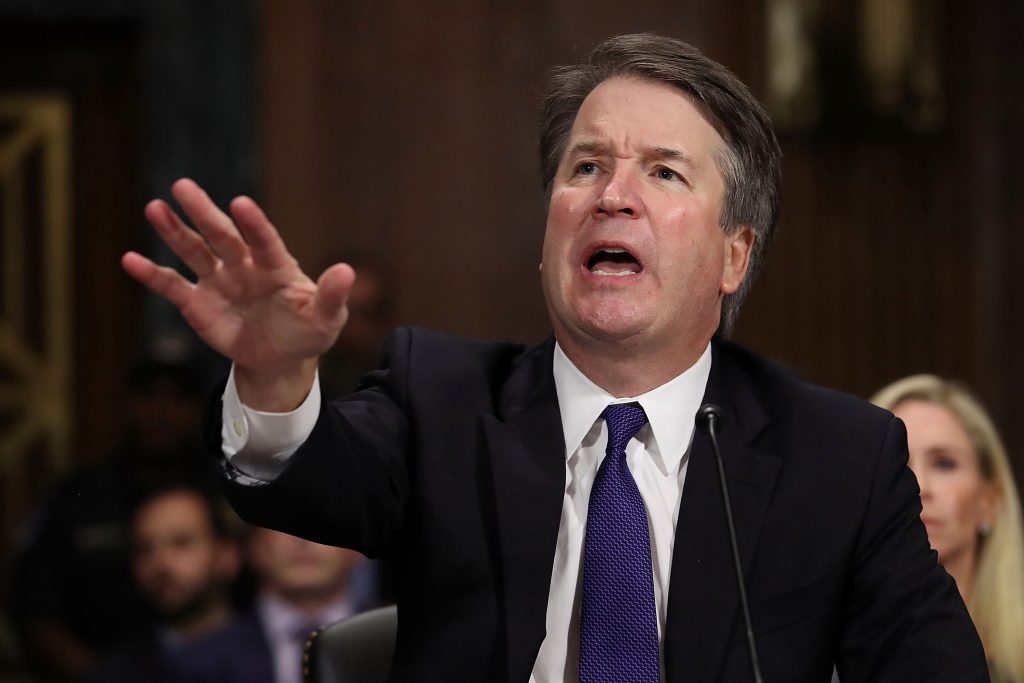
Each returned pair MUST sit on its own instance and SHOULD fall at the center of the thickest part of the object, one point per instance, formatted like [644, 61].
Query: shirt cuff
[258, 445]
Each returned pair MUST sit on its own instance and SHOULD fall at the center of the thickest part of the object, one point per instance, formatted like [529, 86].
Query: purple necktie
[618, 622]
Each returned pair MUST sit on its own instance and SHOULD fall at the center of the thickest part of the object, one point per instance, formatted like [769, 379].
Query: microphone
[709, 416]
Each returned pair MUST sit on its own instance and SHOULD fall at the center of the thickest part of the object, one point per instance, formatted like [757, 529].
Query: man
[371, 317]
[73, 596]
[527, 550]
[184, 562]
[301, 586]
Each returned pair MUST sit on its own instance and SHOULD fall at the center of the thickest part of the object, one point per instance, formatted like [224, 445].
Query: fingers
[164, 281]
[218, 229]
[190, 247]
[265, 244]
[250, 234]
[333, 288]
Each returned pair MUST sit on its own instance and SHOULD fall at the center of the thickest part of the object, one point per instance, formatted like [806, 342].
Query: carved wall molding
[35, 258]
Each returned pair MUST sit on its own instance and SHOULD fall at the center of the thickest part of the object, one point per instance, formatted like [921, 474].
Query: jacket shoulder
[436, 366]
[430, 345]
[791, 400]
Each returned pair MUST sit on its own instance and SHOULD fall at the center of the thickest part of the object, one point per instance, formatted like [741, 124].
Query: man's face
[369, 318]
[297, 569]
[634, 256]
[179, 561]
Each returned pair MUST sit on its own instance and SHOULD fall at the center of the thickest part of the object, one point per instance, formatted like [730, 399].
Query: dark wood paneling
[411, 130]
[94, 66]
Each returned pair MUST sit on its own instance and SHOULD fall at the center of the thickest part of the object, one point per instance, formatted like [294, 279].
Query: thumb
[333, 288]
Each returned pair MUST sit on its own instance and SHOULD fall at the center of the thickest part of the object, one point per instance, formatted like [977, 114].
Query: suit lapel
[526, 454]
[703, 597]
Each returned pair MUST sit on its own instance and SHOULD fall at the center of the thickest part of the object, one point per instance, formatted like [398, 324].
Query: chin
[617, 319]
[604, 319]
[617, 331]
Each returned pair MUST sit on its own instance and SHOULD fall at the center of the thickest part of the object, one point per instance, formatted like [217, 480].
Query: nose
[922, 483]
[159, 558]
[619, 195]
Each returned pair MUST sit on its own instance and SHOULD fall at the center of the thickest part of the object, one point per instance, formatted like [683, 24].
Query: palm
[258, 318]
[251, 302]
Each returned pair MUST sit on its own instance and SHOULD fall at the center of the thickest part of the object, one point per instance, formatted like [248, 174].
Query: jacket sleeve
[347, 485]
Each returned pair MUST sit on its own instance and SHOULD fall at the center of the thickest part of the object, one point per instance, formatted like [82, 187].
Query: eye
[945, 463]
[183, 541]
[586, 168]
[666, 174]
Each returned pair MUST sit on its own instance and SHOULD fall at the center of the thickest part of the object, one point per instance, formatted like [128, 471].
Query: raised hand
[251, 301]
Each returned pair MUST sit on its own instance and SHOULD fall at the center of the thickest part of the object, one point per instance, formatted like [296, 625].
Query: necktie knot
[624, 421]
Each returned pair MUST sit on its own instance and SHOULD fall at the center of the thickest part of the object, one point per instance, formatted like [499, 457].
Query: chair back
[354, 650]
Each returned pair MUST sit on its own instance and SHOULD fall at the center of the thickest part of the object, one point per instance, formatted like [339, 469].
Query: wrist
[278, 391]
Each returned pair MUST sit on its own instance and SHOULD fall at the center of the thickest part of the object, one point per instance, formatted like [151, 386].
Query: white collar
[670, 408]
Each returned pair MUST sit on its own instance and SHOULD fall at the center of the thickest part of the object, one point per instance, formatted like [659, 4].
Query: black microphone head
[709, 412]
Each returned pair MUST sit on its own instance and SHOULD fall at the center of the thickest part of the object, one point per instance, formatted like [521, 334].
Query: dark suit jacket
[451, 461]
[238, 653]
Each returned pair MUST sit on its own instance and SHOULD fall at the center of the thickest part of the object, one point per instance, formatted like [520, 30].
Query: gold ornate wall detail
[35, 281]
[856, 67]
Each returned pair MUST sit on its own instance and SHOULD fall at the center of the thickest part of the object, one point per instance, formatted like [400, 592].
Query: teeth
[597, 270]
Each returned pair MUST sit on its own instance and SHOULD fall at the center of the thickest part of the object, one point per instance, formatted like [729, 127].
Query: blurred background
[405, 133]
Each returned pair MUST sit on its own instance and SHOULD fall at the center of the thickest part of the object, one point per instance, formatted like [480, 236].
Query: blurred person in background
[301, 586]
[371, 317]
[72, 593]
[184, 561]
[970, 507]
[372, 304]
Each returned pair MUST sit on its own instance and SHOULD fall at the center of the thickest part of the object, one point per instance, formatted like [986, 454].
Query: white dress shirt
[657, 457]
[259, 444]
[288, 628]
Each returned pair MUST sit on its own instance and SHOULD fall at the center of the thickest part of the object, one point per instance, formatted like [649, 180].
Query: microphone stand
[709, 415]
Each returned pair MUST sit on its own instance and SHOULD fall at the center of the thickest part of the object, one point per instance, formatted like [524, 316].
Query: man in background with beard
[184, 562]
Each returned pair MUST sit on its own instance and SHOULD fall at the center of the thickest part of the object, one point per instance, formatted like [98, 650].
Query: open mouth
[613, 261]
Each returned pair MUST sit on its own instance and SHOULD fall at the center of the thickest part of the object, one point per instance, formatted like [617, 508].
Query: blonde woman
[971, 508]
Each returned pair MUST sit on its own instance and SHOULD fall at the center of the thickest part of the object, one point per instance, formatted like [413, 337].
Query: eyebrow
[670, 154]
[585, 148]
[664, 153]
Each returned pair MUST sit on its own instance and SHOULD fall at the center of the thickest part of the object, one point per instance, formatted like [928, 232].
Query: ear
[738, 246]
[989, 503]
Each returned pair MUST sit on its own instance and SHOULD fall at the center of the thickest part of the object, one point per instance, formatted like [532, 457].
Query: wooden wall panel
[411, 130]
[90, 68]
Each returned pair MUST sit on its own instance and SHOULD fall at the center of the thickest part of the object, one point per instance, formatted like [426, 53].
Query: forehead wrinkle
[585, 147]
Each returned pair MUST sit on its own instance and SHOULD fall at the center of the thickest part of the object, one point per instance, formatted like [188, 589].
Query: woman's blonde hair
[997, 598]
